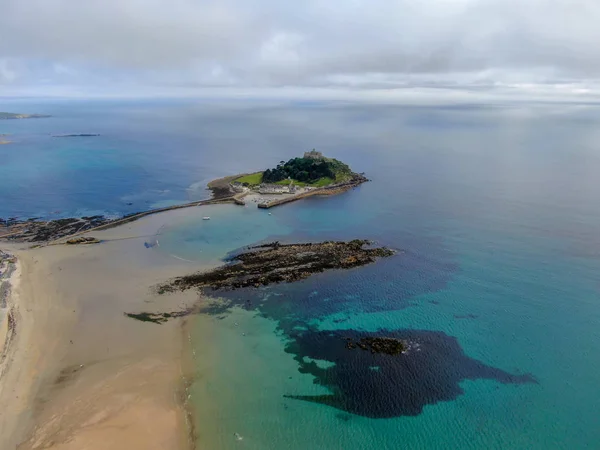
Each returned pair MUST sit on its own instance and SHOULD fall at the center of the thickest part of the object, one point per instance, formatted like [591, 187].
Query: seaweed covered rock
[279, 263]
[34, 230]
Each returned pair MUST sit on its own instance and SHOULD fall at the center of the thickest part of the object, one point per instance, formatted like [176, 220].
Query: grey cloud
[275, 43]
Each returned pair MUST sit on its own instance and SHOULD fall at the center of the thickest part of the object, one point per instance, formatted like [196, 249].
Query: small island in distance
[7, 116]
[313, 174]
[75, 135]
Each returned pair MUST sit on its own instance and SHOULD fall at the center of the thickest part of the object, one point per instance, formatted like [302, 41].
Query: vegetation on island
[313, 169]
[254, 179]
[309, 169]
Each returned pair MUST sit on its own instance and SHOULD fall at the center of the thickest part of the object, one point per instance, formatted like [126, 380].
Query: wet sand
[79, 373]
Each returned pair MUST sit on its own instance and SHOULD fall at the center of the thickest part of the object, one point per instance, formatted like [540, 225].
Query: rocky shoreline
[46, 231]
[37, 231]
[333, 189]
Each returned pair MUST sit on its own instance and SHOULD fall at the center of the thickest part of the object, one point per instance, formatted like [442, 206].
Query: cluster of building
[239, 187]
[265, 188]
[313, 154]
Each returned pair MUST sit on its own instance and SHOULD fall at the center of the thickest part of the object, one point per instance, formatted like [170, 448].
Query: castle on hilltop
[313, 154]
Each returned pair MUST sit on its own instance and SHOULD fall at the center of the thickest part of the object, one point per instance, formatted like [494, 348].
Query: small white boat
[206, 218]
[270, 214]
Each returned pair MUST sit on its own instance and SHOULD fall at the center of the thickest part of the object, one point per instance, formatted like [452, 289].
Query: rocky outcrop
[280, 263]
[265, 264]
[33, 230]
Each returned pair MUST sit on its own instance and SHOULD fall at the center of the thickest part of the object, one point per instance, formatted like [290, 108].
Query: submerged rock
[386, 345]
[158, 318]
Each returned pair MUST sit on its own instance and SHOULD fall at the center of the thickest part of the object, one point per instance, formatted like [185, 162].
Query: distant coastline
[11, 116]
[75, 135]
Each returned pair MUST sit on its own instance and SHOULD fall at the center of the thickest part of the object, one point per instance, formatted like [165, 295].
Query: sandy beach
[76, 372]
[79, 373]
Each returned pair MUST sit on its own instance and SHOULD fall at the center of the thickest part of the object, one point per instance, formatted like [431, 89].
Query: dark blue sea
[494, 211]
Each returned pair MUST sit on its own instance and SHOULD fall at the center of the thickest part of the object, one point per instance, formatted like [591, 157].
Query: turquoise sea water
[494, 211]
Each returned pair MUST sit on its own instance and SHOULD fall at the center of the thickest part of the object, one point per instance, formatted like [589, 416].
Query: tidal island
[312, 174]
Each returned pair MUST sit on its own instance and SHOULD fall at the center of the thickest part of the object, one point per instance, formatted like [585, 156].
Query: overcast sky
[345, 45]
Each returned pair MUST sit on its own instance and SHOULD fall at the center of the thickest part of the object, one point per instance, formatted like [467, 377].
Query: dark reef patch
[403, 372]
[386, 345]
[466, 316]
[430, 371]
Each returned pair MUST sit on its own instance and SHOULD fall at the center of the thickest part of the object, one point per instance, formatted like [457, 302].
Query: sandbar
[79, 373]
